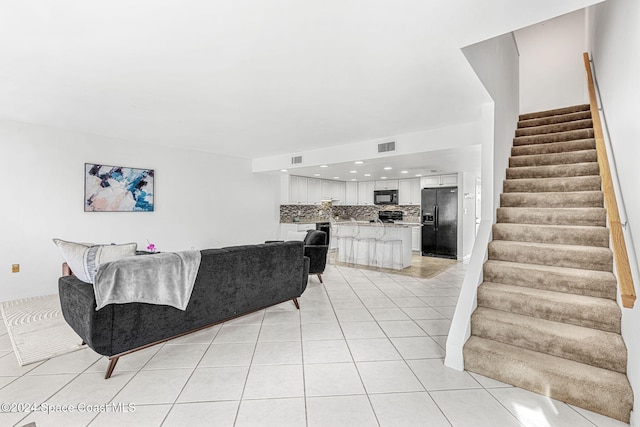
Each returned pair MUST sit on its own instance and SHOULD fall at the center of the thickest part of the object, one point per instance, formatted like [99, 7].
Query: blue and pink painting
[117, 189]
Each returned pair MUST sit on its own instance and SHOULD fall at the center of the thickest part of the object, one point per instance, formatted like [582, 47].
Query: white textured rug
[37, 329]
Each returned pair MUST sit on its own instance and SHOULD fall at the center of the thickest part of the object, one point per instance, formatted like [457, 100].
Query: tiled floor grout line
[246, 379]
[175, 401]
[404, 359]
[355, 364]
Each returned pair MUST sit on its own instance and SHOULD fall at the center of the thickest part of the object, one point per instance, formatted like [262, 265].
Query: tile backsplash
[317, 213]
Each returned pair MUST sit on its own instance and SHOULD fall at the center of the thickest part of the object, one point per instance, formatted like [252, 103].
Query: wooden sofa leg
[295, 301]
[112, 366]
[320, 277]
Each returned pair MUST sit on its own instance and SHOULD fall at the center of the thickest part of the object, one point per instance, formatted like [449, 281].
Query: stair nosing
[554, 246]
[551, 113]
[566, 331]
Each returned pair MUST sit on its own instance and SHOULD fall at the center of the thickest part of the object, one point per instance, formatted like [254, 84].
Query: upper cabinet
[338, 192]
[449, 180]
[332, 190]
[409, 191]
[297, 190]
[314, 191]
[311, 191]
[387, 184]
[365, 193]
[351, 193]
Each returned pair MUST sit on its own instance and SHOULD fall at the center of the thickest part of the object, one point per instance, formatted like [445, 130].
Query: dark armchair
[316, 248]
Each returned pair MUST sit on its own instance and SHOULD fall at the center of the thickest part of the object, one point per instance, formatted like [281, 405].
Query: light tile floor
[365, 349]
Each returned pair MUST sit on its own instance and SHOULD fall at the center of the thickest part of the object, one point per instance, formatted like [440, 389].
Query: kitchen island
[366, 243]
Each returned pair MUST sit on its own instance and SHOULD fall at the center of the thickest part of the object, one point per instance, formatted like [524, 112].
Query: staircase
[547, 317]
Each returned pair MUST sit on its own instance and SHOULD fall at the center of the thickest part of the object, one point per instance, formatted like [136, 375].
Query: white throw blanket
[164, 279]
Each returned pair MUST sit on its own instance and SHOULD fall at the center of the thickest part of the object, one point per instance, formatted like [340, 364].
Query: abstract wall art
[117, 189]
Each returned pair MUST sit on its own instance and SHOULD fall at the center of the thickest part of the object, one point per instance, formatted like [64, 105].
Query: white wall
[468, 212]
[614, 40]
[551, 70]
[495, 62]
[201, 200]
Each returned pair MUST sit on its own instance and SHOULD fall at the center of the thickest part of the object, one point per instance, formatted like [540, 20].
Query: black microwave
[385, 197]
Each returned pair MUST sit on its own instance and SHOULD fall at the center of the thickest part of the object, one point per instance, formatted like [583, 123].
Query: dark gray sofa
[231, 282]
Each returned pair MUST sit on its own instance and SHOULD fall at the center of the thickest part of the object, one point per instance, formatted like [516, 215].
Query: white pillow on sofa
[84, 259]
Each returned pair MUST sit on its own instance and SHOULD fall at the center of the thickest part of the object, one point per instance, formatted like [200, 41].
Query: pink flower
[151, 247]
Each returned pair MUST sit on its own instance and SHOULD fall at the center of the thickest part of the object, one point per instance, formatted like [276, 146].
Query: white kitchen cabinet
[449, 180]
[416, 239]
[338, 192]
[351, 193]
[297, 190]
[314, 191]
[325, 188]
[386, 184]
[365, 193]
[409, 191]
[430, 181]
[333, 190]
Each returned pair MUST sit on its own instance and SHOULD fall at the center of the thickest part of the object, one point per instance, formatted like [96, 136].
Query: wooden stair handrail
[623, 268]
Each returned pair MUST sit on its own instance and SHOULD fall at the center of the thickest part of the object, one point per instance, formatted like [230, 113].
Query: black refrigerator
[440, 222]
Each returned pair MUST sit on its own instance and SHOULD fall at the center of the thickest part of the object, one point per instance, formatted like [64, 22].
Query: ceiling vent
[296, 160]
[386, 147]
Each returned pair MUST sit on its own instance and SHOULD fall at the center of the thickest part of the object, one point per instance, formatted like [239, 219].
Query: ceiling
[250, 78]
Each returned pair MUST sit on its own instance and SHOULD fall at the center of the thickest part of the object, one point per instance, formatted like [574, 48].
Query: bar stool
[342, 235]
[393, 243]
[376, 236]
[357, 240]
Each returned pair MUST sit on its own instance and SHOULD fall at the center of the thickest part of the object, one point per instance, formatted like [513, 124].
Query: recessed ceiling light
[404, 172]
[324, 166]
[388, 168]
[353, 171]
[383, 177]
[367, 174]
[336, 177]
[418, 174]
[316, 174]
[353, 179]
[283, 170]
[358, 162]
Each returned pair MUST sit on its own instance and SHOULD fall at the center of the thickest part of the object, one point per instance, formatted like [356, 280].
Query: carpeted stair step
[554, 147]
[572, 157]
[593, 283]
[553, 216]
[589, 312]
[548, 185]
[570, 256]
[554, 171]
[560, 118]
[552, 234]
[553, 137]
[585, 345]
[578, 199]
[554, 112]
[555, 128]
[596, 389]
